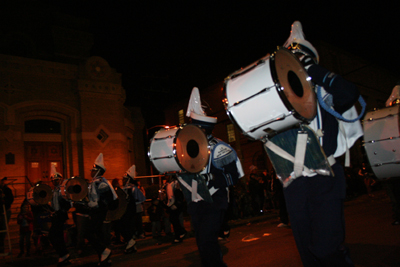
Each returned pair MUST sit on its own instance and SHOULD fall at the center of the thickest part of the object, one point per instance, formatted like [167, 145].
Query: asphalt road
[371, 238]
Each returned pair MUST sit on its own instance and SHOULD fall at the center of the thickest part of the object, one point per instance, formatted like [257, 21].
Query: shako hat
[53, 173]
[99, 163]
[196, 112]
[298, 43]
[131, 172]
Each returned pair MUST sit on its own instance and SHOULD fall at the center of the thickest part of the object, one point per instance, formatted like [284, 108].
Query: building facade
[59, 105]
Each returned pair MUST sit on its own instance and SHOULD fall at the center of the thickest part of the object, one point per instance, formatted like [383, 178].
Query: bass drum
[183, 149]
[270, 95]
[75, 189]
[382, 141]
[40, 194]
[116, 212]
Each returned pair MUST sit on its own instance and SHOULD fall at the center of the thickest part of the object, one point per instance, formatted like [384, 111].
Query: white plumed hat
[53, 173]
[298, 41]
[195, 110]
[99, 162]
[131, 172]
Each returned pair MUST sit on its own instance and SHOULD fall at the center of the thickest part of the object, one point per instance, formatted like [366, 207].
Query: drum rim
[278, 85]
[48, 189]
[64, 185]
[175, 152]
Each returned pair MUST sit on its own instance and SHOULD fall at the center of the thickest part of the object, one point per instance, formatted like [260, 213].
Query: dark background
[165, 48]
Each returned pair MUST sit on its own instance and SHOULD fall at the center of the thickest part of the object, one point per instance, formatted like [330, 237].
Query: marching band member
[60, 206]
[101, 194]
[315, 201]
[206, 193]
[127, 220]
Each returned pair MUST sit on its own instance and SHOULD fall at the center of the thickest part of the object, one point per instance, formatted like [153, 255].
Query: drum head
[192, 150]
[296, 91]
[115, 213]
[41, 194]
[76, 189]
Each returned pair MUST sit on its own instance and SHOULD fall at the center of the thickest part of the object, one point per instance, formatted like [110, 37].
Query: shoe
[177, 241]
[130, 250]
[182, 235]
[64, 263]
[396, 222]
[282, 225]
[106, 261]
[227, 233]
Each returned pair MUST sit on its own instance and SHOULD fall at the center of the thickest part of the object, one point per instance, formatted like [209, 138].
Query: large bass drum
[182, 149]
[382, 141]
[270, 95]
[75, 189]
[39, 194]
[116, 212]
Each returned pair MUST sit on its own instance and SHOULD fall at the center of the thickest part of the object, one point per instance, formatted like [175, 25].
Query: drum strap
[194, 188]
[300, 153]
[321, 94]
[298, 160]
[195, 195]
[55, 204]
[282, 153]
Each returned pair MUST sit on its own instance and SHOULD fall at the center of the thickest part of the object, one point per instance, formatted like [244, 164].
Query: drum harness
[325, 101]
[93, 190]
[224, 155]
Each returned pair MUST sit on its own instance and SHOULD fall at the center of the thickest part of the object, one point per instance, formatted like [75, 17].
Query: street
[371, 238]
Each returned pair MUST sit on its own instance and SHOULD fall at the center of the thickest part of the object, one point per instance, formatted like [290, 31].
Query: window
[181, 116]
[231, 133]
[42, 126]
[102, 136]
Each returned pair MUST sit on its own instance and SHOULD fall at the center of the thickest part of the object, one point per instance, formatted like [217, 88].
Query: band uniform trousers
[207, 221]
[315, 207]
[91, 228]
[56, 233]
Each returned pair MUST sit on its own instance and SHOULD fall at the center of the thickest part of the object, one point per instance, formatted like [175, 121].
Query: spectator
[25, 221]
[6, 199]
[155, 212]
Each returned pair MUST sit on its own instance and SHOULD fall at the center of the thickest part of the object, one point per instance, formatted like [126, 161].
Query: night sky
[172, 46]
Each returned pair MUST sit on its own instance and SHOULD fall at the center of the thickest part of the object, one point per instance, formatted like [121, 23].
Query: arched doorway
[44, 149]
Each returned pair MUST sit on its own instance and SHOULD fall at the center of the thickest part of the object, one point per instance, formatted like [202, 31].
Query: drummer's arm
[106, 195]
[345, 94]
[65, 204]
[226, 177]
[29, 216]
